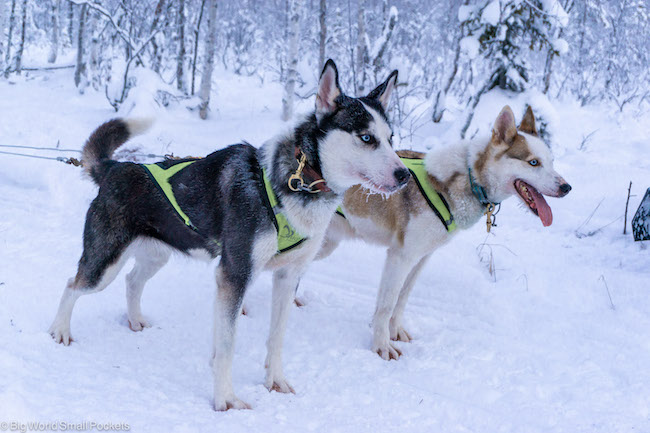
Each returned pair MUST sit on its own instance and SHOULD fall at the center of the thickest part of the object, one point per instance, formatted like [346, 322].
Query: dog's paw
[399, 334]
[61, 334]
[387, 351]
[233, 402]
[279, 385]
[138, 324]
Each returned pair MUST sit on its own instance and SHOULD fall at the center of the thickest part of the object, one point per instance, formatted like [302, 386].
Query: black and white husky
[345, 141]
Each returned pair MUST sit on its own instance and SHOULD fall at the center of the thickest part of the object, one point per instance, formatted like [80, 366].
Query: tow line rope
[71, 161]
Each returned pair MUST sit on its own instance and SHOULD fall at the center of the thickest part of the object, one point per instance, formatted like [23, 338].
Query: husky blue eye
[365, 138]
[533, 162]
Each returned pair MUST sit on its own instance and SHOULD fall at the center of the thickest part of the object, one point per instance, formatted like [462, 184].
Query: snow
[470, 46]
[465, 12]
[554, 8]
[561, 46]
[536, 348]
[491, 13]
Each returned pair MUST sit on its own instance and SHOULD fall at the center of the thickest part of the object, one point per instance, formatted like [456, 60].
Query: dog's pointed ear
[383, 91]
[528, 123]
[328, 90]
[505, 129]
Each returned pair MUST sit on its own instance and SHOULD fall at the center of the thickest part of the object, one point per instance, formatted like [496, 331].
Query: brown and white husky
[469, 177]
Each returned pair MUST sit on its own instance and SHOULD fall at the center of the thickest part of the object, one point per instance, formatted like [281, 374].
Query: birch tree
[381, 44]
[155, 56]
[80, 68]
[208, 66]
[362, 46]
[197, 32]
[12, 23]
[93, 32]
[54, 31]
[292, 59]
[71, 24]
[3, 24]
[322, 19]
[21, 45]
[180, 59]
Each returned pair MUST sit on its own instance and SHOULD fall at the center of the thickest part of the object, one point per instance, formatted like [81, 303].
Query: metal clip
[491, 219]
[297, 176]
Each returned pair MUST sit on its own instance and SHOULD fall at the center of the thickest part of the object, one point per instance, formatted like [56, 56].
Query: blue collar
[478, 190]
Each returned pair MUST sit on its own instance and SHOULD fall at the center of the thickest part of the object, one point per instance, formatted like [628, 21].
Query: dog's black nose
[402, 175]
[565, 188]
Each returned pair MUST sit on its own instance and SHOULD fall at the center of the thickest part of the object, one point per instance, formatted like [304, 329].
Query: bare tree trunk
[362, 46]
[12, 24]
[323, 33]
[80, 69]
[155, 55]
[180, 81]
[441, 96]
[54, 39]
[387, 32]
[94, 71]
[208, 66]
[548, 70]
[548, 67]
[475, 100]
[351, 48]
[71, 24]
[21, 46]
[197, 31]
[3, 24]
[292, 59]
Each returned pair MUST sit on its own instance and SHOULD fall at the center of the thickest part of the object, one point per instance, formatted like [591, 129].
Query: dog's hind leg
[97, 269]
[397, 267]
[397, 331]
[150, 257]
[284, 283]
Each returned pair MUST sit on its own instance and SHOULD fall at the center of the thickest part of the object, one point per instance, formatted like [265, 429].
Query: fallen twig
[602, 277]
[627, 203]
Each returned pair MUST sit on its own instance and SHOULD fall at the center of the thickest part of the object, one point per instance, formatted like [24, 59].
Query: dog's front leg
[396, 269]
[285, 281]
[227, 309]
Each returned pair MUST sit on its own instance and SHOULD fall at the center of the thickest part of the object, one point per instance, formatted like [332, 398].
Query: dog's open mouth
[535, 202]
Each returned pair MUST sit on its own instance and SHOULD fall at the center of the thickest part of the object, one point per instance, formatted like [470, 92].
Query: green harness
[435, 201]
[288, 238]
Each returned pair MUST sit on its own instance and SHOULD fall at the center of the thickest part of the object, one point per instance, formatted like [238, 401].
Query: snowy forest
[594, 50]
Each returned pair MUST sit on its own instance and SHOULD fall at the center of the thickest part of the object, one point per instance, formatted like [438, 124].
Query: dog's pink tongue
[543, 209]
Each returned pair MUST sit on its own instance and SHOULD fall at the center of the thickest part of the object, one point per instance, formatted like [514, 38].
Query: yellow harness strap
[288, 237]
[161, 178]
[435, 201]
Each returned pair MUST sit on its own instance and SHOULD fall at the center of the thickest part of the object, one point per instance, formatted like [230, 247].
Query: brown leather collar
[307, 178]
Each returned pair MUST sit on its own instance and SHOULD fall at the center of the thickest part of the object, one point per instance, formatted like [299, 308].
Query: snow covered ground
[537, 347]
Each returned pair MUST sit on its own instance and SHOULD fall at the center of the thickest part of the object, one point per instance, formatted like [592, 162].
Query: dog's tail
[105, 140]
